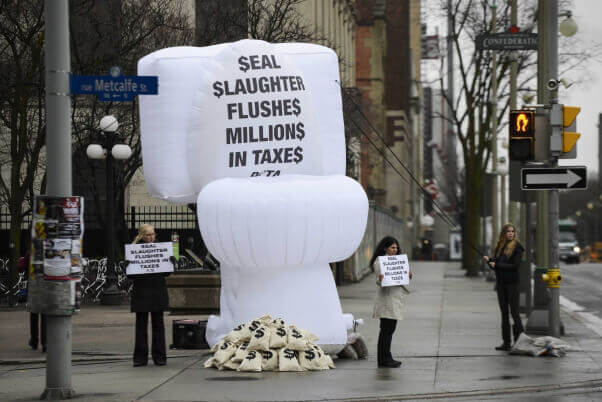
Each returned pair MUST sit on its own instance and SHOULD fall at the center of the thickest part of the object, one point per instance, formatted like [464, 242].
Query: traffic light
[522, 132]
[569, 128]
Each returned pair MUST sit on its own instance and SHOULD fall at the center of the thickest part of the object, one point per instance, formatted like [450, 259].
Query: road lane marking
[590, 320]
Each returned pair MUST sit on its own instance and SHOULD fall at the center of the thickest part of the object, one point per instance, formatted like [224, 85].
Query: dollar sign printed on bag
[259, 333]
[225, 345]
[296, 334]
[251, 355]
[240, 327]
[267, 354]
[281, 332]
[244, 346]
[254, 325]
[309, 355]
[289, 354]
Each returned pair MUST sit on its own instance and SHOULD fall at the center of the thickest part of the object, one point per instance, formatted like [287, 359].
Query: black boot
[504, 346]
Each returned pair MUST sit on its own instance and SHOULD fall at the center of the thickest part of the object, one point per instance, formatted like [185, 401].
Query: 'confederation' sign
[507, 41]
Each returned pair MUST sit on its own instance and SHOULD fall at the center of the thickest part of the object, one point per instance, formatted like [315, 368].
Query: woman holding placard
[149, 295]
[506, 263]
[388, 306]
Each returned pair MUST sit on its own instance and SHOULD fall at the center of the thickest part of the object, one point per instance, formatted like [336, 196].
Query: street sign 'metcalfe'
[558, 178]
[113, 88]
[507, 41]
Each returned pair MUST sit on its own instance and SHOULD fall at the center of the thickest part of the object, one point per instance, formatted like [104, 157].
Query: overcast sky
[588, 16]
[586, 90]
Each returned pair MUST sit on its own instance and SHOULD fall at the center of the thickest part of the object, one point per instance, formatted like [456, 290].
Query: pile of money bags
[267, 344]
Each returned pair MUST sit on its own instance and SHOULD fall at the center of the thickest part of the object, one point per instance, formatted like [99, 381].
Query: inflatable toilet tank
[253, 133]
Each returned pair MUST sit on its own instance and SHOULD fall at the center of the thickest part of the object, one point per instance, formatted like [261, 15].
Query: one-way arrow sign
[560, 178]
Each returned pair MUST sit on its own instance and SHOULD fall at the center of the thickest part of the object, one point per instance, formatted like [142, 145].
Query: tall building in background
[329, 22]
[388, 53]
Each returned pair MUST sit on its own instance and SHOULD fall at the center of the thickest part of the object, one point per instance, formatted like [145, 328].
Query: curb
[93, 359]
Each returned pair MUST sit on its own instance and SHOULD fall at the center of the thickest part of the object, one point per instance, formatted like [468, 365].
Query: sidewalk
[445, 343]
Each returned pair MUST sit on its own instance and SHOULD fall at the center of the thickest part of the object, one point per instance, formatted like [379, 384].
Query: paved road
[580, 293]
[581, 284]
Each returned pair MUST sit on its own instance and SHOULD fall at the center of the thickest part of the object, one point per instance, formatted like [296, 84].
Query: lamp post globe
[568, 27]
[108, 124]
[96, 151]
[111, 294]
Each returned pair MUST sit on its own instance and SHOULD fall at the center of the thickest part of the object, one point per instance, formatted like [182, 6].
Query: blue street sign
[114, 87]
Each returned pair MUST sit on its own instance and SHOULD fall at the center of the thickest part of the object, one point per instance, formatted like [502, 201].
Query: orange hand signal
[522, 122]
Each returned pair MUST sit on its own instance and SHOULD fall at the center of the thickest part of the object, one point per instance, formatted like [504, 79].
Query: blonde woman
[149, 295]
[506, 263]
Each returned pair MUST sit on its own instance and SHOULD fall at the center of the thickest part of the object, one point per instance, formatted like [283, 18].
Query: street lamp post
[111, 295]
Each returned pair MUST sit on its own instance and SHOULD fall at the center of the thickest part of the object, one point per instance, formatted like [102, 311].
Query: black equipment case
[189, 334]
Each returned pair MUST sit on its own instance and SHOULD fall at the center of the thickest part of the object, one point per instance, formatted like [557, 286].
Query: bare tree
[102, 39]
[471, 109]
[105, 34]
[140, 26]
[22, 109]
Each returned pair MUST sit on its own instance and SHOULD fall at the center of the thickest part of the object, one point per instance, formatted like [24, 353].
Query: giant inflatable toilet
[253, 132]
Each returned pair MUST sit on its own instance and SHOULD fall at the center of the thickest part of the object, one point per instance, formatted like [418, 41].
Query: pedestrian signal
[522, 132]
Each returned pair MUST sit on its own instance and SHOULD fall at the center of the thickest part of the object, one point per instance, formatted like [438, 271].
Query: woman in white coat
[388, 306]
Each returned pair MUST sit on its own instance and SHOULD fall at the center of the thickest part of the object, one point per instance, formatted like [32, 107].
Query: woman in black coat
[149, 295]
[506, 263]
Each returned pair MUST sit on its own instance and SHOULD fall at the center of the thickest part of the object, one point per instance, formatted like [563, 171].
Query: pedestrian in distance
[37, 322]
[149, 295]
[388, 306]
[506, 263]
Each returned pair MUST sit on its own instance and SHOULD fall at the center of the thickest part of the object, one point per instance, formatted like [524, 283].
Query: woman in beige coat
[388, 306]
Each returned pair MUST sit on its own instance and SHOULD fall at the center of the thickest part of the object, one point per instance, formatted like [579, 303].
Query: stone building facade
[388, 53]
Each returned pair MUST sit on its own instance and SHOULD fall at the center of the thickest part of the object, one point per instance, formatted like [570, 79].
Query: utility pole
[513, 206]
[58, 151]
[450, 144]
[493, 102]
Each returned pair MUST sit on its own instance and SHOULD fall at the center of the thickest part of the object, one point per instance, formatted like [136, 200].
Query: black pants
[158, 338]
[507, 296]
[385, 336]
[34, 330]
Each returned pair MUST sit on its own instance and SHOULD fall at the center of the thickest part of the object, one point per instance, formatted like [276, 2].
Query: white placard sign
[149, 258]
[395, 270]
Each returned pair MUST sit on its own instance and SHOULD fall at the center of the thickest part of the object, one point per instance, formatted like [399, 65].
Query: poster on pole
[57, 234]
[395, 270]
[149, 258]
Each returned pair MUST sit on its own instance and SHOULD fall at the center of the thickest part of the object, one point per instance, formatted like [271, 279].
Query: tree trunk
[15, 251]
[474, 182]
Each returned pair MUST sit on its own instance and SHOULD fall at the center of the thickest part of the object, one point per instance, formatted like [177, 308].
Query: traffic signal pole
[538, 321]
[553, 278]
